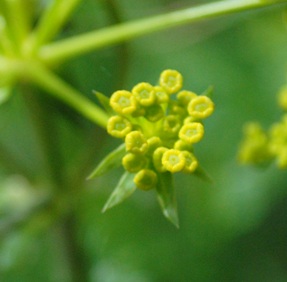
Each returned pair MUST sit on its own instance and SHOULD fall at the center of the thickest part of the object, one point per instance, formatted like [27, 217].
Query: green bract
[159, 131]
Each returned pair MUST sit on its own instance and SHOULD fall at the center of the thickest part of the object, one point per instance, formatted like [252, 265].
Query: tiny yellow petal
[191, 162]
[118, 126]
[173, 160]
[136, 142]
[200, 107]
[191, 132]
[144, 93]
[123, 102]
[171, 81]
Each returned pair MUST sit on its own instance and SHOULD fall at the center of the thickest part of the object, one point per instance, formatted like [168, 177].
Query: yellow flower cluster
[259, 147]
[159, 125]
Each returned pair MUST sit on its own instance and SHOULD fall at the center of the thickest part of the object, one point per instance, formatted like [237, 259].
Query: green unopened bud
[191, 162]
[134, 162]
[173, 160]
[144, 93]
[123, 102]
[191, 132]
[154, 113]
[136, 142]
[161, 95]
[157, 159]
[200, 107]
[145, 179]
[184, 97]
[118, 126]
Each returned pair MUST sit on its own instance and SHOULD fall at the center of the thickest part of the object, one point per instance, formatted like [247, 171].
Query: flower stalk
[80, 44]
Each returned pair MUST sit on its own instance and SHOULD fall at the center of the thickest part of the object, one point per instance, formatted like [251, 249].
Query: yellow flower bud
[118, 126]
[161, 95]
[134, 162]
[123, 102]
[191, 132]
[184, 97]
[171, 81]
[145, 179]
[191, 162]
[157, 159]
[173, 160]
[136, 142]
[200, 107]
[144, 93]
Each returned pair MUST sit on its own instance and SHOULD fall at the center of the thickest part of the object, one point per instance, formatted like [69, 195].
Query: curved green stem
[52, 20]
[63, 91]
[16, 12]
[80, 44]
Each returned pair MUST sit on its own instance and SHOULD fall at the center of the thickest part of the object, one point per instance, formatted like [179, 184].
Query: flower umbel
[159, 131]
[259, 147]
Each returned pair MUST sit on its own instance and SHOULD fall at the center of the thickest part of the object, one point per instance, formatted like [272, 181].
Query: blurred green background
[232, 230]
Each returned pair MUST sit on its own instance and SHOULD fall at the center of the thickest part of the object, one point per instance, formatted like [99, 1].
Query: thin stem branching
[80, 44]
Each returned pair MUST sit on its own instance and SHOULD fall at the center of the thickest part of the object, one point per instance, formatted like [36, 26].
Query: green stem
[18, 20]
[63, 91]
[80, 44]
[121, 50]
[52, 20]
[5, 41]
[75, 254]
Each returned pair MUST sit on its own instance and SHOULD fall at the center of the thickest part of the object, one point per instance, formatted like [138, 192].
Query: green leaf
[112, 160]
[209, 91]
[166, 197]
[124, 189]
[105, 102]
[201, 173]
[5, 93]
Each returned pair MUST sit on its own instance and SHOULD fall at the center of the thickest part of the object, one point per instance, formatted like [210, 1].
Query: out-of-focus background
[232, 230]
